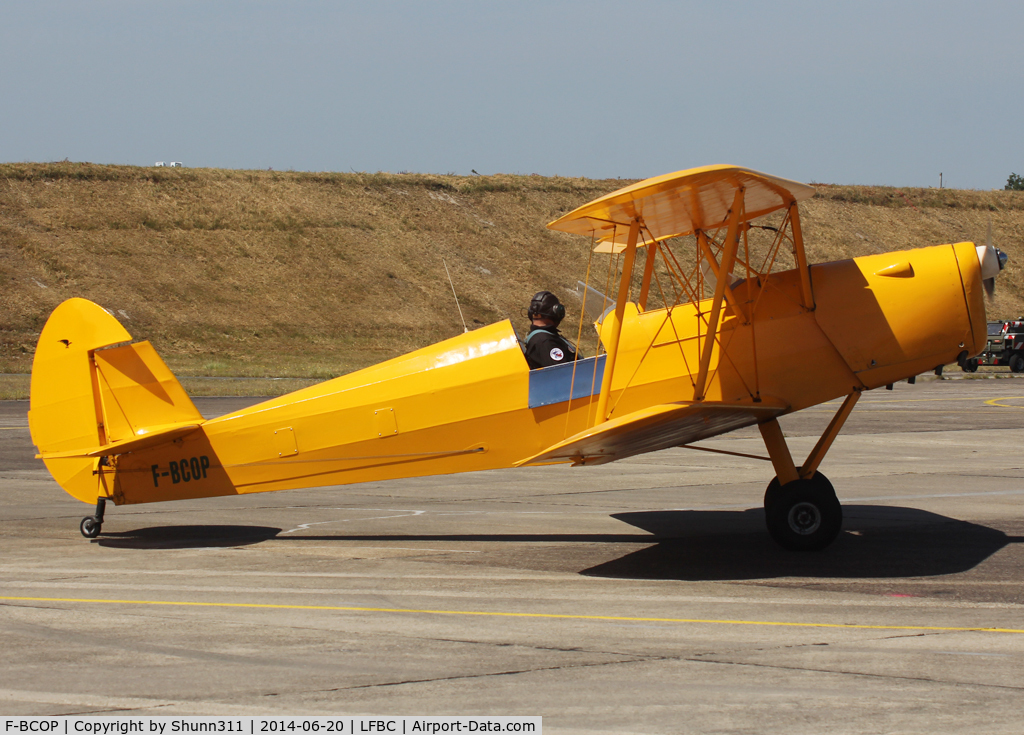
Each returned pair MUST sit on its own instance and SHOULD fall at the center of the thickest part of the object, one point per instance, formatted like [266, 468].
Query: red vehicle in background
[1005, 347]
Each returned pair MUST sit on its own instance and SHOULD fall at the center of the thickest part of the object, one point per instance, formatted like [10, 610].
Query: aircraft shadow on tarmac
[187, 537]
[877, 542]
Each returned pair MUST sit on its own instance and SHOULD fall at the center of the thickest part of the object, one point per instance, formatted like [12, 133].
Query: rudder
[89, 397]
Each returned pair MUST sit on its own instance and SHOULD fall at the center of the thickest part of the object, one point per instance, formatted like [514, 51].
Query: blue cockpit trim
[552, 384]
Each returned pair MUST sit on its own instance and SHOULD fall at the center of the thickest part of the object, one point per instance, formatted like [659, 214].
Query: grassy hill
[315, 274]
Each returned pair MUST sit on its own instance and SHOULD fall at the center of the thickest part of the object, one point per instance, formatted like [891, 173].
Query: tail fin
[88, 402]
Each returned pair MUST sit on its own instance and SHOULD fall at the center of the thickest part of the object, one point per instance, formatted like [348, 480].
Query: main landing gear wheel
[803, 515]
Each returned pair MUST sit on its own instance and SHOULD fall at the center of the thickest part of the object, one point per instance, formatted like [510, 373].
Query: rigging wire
[612, 260]
[464, 327]
[579, 337]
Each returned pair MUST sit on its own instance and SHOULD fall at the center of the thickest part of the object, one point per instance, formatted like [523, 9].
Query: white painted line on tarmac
[306, 526]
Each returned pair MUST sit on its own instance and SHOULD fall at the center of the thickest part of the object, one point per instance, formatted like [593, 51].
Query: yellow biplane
[719, 323]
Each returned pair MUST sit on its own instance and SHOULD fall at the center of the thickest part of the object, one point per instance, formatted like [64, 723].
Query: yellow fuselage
[465, 404]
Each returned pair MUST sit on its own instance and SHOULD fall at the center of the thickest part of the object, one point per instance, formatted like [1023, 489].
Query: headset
[547, 305]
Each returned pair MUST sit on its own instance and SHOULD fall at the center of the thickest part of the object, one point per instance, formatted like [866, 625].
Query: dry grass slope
[312, 275]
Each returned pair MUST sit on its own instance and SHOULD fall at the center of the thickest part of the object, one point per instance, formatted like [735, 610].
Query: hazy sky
[858, 92]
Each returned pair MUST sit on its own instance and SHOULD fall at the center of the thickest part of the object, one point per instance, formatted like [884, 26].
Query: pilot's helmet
[546, 304]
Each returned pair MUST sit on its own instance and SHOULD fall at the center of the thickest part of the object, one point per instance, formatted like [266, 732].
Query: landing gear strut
[91, 525]
[801, 509]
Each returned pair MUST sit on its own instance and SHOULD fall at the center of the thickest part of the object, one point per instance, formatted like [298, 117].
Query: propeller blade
[992, 260]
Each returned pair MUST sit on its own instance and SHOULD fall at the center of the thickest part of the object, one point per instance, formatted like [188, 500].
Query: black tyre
[818, 480]
[804, 515]
[90, 527]
[1017, 363]
[971, 366]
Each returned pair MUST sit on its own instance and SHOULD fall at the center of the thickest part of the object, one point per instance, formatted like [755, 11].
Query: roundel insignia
[556, 354]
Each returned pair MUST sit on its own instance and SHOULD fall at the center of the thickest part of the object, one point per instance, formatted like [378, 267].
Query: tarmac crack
[558, 649]
[135, 646]
[465, 677]
[22, 605]
[866, 674]
[85, 713]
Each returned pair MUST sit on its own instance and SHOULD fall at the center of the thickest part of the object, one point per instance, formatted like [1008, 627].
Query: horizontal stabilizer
[658, 427]
[153, 435]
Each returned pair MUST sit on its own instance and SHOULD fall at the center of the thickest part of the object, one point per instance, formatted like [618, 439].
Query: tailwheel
[803, 515]
[90, 527]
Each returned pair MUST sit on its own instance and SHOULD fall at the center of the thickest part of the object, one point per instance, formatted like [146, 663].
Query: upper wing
[676, 204]
[658, 427]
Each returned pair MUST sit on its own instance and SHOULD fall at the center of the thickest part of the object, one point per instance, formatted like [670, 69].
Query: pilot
[544, 345]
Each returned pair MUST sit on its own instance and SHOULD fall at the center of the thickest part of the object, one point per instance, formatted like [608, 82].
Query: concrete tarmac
[643, 596]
